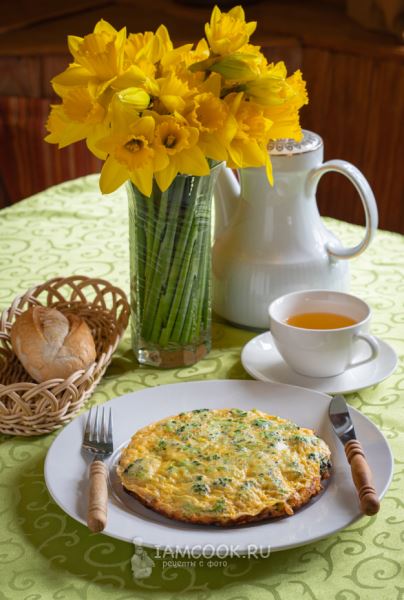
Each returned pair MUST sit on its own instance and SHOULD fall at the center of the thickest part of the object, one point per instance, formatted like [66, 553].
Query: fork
[98, 442]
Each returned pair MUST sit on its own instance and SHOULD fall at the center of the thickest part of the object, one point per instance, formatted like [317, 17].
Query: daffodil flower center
[170, 141]
[134, 145]
[134, 152]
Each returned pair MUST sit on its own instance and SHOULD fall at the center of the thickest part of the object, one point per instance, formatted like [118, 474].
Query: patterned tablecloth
[44, 554]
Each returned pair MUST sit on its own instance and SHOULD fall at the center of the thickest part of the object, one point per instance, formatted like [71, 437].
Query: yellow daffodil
[180, 61]
[149, 46]
[147, 49]
[175, 59]
[98, 58]
[201, 52]
[172, 94]
[285, 117]
[179, 142]
[248, 148]
[228, 32]
[216, 125]
[100, 52]
[80, 117]
[140, 45]
[131, 151]
[270, 88]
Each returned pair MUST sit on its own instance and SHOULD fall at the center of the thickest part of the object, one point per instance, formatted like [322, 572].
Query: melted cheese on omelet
[224, 462]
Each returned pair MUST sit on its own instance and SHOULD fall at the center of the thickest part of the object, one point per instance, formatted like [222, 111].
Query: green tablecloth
[45, 554]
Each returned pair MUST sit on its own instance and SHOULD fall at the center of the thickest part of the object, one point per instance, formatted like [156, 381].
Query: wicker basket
[28, 408]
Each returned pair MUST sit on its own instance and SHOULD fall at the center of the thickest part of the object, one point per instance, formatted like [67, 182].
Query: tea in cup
[315, 331]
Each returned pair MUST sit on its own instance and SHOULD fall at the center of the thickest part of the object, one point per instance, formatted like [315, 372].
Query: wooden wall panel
[355, 82]
[27, 163]
[357, 106]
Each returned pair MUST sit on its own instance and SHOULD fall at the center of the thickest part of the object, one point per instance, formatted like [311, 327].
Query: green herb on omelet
[222, 481]
[219, 506]
[201, 488]
[136, 469]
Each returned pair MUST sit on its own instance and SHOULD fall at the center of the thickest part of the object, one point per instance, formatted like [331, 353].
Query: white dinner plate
[261, 360]
[66, 467]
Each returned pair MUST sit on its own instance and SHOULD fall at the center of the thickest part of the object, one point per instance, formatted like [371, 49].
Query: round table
[73, 229]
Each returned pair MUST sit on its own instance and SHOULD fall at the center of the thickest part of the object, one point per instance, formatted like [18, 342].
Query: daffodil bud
[268, 90]
[233, 68]
[136, 97]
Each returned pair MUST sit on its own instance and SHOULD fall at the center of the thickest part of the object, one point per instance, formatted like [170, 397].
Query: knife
[361, 473]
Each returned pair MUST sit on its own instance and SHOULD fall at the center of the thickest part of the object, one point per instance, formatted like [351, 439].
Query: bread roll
[50, 344]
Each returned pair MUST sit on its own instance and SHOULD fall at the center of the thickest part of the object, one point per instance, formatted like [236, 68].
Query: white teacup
[321, 352]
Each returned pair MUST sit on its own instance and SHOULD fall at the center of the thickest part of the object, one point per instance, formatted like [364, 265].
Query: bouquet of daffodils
[163, 118]
[152, 110]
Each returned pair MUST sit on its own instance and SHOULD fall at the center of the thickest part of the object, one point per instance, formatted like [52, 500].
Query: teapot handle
[365, 193]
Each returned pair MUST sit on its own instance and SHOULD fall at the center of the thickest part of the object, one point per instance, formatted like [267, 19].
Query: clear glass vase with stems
[170, 271]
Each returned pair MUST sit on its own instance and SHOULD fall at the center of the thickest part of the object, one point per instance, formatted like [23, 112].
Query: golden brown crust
[294, 503]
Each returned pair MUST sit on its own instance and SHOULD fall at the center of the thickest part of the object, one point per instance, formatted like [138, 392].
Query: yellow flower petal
[94, 136]
[192, 162]
[105, 27]
[74, 42]
[268, 169]
[236, 155]
[173, 103]
[165, 177]
[145, 127]
[212, 148]
[113, 175]
[212, 84]
[143, 179]
[73, 75]
[132, 77]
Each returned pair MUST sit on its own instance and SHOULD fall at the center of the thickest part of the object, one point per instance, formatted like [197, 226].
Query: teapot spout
[227, 197]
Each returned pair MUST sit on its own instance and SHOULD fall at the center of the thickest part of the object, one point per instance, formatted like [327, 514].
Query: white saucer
[261, 360]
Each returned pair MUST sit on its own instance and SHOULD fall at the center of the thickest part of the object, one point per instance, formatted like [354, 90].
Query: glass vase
[170, 270]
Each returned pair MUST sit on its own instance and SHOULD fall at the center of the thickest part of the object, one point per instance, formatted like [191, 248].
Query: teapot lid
[286, 147]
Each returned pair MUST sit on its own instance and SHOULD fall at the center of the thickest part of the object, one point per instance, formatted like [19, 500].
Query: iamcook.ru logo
[191, 556]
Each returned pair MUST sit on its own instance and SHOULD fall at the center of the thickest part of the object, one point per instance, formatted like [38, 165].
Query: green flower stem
[180, 264]
[187, 334]
[157, 309]
[138, 251]
[178, 273]
[160, 199]
[149, 223]
[189, 331]
[204, 283]
[186, 311]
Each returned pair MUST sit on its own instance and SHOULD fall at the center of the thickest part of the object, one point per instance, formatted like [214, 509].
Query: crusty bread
[50, 344]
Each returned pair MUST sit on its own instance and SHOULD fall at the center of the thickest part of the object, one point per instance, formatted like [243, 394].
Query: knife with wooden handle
[361, 473]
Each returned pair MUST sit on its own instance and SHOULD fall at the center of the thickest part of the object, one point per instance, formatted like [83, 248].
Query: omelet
[224, 467]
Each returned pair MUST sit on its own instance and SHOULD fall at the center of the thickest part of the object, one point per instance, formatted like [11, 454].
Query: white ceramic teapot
[270, 240]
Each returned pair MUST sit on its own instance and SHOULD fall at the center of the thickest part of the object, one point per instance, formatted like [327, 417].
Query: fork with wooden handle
[98, 442]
